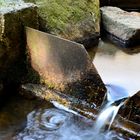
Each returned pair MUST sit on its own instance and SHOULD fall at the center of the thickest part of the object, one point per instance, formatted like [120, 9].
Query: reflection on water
[55, 124]
[118, 68]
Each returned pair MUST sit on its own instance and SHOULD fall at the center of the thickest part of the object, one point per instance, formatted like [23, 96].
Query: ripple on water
[55, 124]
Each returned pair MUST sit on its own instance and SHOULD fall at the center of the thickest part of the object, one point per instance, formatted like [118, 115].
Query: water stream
[108, 113]
[64, 124]
[55, 124]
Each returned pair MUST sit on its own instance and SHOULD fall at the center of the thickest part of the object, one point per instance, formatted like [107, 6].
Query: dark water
[22, 119]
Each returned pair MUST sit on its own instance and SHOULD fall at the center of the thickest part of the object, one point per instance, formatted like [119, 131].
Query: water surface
[119, 68]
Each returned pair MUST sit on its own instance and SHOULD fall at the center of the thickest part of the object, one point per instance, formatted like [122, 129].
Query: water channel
[22, 119]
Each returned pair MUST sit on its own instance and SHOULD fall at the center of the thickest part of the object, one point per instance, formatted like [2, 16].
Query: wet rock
[13, 18]
[131, 110]
[126, 127]
[64, 66]
[43, 92]
[73, 20]
[121, 27]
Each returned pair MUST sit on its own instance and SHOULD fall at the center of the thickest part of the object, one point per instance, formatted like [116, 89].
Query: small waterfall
[64, 124]
[107, 116]
[114, 102]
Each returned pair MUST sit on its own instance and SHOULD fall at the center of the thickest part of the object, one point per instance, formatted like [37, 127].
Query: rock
[127, 120]
[44, 93]
[131, 110]
[123, 27]
[74, 20]
[65, 66]
[13, 18]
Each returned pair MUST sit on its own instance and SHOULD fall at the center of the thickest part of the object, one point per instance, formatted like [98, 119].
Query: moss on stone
[67, 18]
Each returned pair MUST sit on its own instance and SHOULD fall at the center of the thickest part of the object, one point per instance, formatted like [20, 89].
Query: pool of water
[119, 67]
[55, 124]
[22, 119]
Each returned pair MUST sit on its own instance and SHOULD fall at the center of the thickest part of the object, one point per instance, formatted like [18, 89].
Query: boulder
[64, 66]
[13, 18]
[74, 20]
[122, 27]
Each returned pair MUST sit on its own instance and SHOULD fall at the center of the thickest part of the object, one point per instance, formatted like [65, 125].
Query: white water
[106, 116]
[64, 124]
[115, 99]
[55, 124]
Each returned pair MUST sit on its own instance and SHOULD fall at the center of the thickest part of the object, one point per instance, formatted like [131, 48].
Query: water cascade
[64, 124]
[55, 124]
[116, 97]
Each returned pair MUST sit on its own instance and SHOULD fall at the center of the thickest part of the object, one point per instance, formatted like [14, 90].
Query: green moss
[60, 14]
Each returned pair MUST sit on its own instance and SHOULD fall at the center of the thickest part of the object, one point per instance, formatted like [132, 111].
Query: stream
[22, 119]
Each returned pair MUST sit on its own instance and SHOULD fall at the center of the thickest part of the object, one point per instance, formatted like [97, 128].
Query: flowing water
[64, 124]
[55, 124]
[23, 119]
[107, 116]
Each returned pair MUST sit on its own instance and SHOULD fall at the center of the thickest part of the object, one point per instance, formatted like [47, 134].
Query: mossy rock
[74, 20]
[13, 18]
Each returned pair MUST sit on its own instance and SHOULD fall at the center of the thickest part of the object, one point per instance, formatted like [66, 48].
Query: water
[107, 116]
[64, 124]
[116, 97]
[116, 92]
[55, 124]
[119, 67]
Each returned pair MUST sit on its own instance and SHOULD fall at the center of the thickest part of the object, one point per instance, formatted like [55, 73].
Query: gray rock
[13, 18]
[125, 26]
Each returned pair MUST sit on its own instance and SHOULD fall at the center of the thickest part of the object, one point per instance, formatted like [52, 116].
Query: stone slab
[64, 65]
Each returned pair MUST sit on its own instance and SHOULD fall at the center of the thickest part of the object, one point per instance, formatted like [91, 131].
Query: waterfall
[106, 116]
[116, 97]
